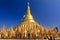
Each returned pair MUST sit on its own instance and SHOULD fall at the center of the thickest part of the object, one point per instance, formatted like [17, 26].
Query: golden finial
[28, 9]
[3, 27]
[28, 3]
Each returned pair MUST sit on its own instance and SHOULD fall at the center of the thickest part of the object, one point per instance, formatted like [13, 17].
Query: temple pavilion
[29, 28]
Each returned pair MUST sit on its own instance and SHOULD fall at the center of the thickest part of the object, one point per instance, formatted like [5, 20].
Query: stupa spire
[28, 15]
[28, 9]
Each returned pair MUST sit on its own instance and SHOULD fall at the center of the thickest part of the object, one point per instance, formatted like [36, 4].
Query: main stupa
[28, 26]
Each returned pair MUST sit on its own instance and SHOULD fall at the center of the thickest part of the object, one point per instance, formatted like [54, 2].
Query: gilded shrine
[29, 28]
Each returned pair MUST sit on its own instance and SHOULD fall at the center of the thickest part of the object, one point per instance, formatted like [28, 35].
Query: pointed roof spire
[3, 27]
[28, 9]
[28, 16]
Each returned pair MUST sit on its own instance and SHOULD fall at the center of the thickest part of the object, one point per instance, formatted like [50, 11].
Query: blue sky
[45, 12]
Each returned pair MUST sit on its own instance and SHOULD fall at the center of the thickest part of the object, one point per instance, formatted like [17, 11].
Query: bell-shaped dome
[28, 16]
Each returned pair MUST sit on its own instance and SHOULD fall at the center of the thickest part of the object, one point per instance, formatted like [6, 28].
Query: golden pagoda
[29, 28]
[3, 32]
